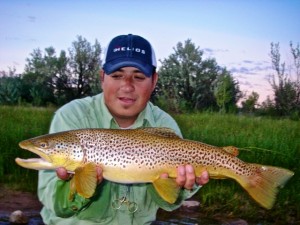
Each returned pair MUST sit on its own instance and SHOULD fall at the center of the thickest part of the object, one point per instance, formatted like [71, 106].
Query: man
[128, 79]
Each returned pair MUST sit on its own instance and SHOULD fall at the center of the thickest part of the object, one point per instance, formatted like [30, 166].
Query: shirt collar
[104, 116]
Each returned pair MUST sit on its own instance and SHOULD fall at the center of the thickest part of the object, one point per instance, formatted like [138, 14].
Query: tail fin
[263, 185]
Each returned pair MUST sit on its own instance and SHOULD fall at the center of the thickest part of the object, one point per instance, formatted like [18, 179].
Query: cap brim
[119, 63]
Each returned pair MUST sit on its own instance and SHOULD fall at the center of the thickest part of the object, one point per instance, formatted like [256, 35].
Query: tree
[267, 107]
[226, 92]
[85, 65]
[296, 61]
[10, 87]
[250, 104]
[49, 78]
[187, 81]
[39, 79]
[286, 90]
[62, 85]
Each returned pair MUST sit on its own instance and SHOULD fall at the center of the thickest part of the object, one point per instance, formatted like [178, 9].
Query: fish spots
[145, 150]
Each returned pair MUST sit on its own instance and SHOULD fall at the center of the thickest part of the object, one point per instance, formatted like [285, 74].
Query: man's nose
[128, 85]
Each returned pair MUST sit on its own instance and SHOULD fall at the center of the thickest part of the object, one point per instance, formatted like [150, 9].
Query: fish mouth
[44, 162]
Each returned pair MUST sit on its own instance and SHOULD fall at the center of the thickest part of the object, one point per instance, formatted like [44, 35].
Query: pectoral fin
[85, 180]
[167, 188]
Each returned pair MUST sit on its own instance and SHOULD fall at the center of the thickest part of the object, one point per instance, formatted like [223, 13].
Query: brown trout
[142, 155]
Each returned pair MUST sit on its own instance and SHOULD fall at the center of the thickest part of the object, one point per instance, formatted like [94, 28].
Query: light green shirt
[91, 112]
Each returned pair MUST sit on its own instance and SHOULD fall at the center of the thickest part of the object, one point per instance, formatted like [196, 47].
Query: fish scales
[142, 155]
[151, 152]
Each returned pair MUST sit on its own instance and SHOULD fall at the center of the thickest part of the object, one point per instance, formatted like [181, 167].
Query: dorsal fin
[231, 150]
[161, 131]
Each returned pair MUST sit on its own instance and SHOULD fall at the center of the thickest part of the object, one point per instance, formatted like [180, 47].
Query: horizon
[237, 34]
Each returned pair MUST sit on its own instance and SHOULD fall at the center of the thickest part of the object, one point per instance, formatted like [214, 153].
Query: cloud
[208, 50]
[248, 61]
[21, 38]
[242, 70]
[263, 62]
[12, 38]
[31, 40]
[250, 67]
[212, 51]
[240, 76]
[31, 19]
[16, 63]
[246, 84]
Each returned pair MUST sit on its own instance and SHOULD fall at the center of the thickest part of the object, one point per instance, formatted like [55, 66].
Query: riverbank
[28, 203]
[190, 214]
[12, 200]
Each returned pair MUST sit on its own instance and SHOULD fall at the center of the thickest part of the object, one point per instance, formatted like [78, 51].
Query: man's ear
[102, 73]
[154, 80]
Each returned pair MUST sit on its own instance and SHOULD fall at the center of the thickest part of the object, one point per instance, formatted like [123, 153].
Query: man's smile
[126, 100]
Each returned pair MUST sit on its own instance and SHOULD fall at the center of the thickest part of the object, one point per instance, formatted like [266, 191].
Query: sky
[237, 33]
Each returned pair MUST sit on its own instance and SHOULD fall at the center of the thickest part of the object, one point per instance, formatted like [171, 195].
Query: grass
[261, 140]
[17, 124]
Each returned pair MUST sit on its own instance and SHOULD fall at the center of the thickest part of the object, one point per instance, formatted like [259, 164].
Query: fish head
[55, 150]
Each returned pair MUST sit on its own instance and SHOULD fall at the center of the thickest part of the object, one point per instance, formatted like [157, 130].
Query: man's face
[126, 93]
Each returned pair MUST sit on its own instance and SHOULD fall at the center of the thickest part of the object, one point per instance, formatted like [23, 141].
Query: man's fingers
[99, 174]
[186, 177]
[62, 173]
[203, 179]
[190, 177]
[164, 175]
[180, 179]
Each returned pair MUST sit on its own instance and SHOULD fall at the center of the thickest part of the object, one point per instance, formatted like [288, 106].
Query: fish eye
[44, 145]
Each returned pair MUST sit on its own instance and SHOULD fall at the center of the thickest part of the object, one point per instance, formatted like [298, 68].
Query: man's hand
[63, 174]
[186, 177]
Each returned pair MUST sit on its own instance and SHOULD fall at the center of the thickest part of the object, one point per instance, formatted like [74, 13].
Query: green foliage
[187, 81]
[249, 105]
[17, 124]
[10, 90]
[286, 89]
[39, 75]
[260, 140]
[226, 92]
[49, 78]
[85, 66]
[10, 87]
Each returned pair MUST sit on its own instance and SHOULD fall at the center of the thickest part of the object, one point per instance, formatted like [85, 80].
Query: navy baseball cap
[129, 50]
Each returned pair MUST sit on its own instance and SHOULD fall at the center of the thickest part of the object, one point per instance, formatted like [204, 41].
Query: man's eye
[116, 76]
[139, 78]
